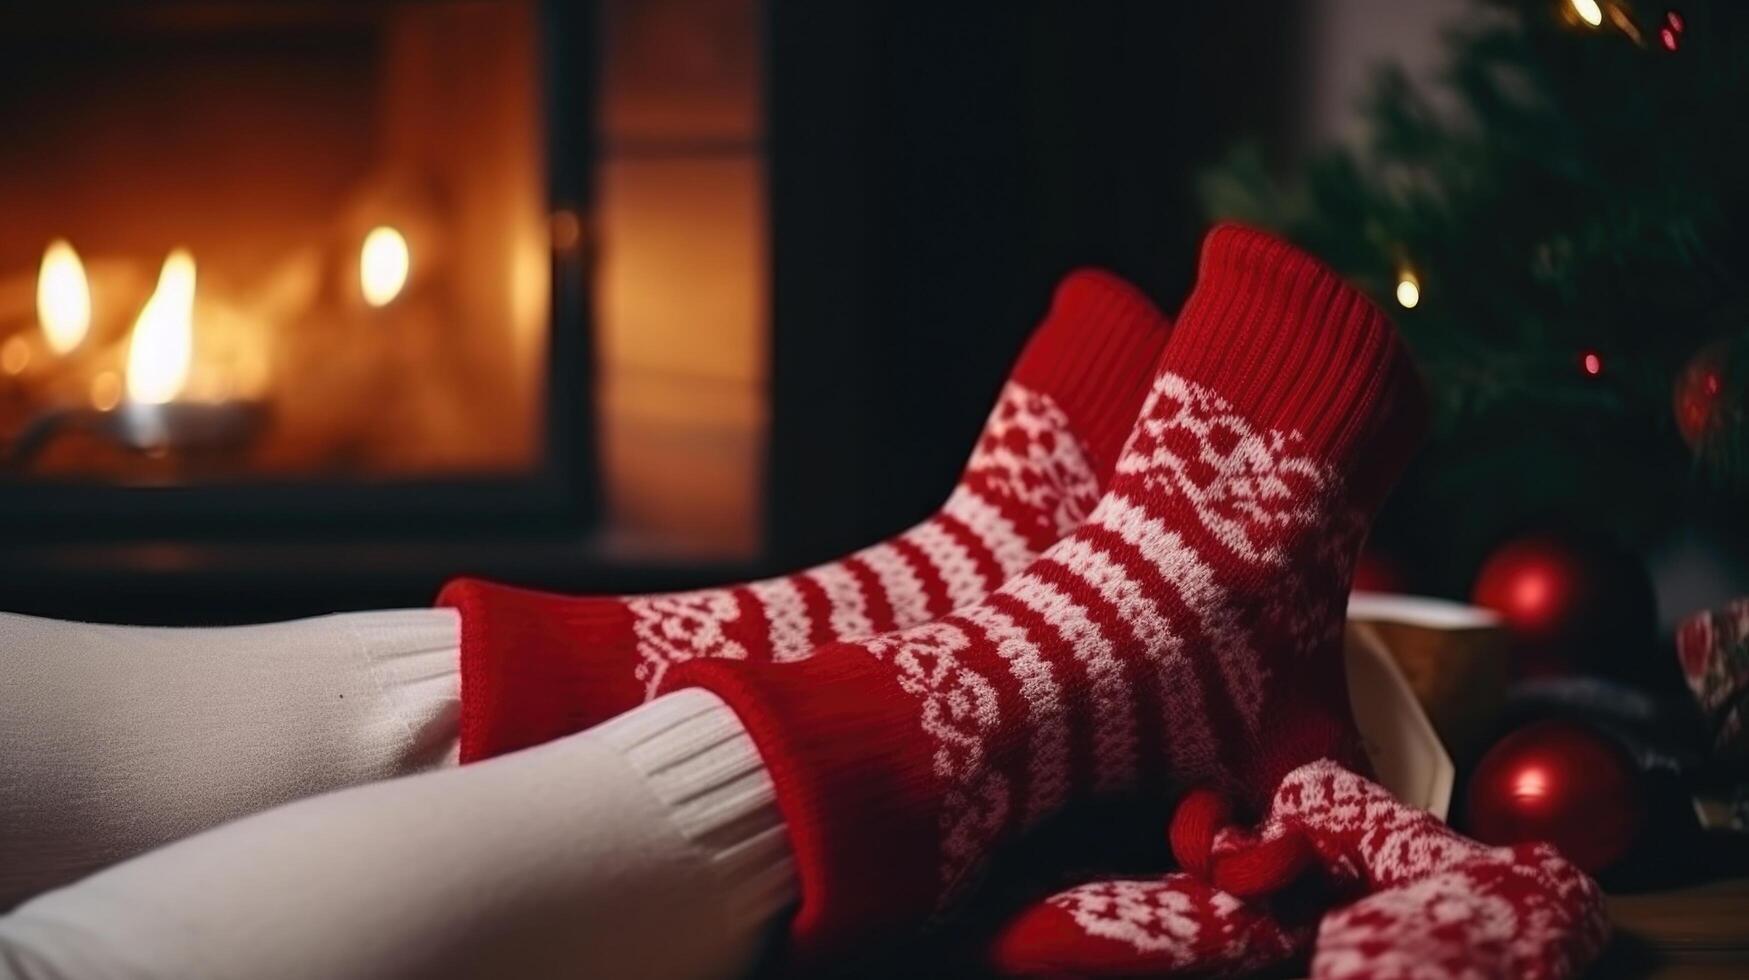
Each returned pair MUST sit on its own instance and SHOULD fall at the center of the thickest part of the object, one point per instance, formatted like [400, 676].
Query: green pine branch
[1559, 190]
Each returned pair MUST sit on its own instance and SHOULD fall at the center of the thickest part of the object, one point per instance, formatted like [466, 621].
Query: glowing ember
[63, 297]
[163, 339]
[383, 264]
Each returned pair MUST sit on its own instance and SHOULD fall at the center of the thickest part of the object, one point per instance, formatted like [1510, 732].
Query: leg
[117, 739]
[646, 847]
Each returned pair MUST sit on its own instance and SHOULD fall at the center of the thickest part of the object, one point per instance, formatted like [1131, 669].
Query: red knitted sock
[1190, 629]
[537, 666]
[1433, 903]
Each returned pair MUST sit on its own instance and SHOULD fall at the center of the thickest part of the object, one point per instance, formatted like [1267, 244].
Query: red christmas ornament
[1697, 394]
[1563, 783]
[1571, 605]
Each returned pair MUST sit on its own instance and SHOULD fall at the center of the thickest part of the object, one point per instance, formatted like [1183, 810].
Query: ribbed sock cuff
[856, 786]
[1278, 334]
[536, 667]
[1095, 355]
[697, 759]
[414, 657]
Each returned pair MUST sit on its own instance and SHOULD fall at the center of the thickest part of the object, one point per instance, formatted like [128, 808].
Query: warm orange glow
[284, 337]
[105, 391]
[163, 339]
[15, 355]
[383, 264]
[63, 297]
[1625, 24]
[567, 230]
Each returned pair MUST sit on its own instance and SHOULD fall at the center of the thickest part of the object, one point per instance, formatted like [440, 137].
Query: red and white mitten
[1438, 905]
[1176, 924]
[1434, 904]
[1218, 916]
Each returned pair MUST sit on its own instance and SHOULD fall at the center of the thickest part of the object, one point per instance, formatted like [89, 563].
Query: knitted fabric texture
[1189, 630]
[1173, 924]
[1409, 897]
[537, 666]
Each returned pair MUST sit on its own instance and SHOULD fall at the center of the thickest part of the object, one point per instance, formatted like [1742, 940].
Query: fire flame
[162, 344]
[383, 264]
[63, 297]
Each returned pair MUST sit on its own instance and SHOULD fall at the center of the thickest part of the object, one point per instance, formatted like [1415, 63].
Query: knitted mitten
[1171, 925]
[1438, 905]
[1410, 898]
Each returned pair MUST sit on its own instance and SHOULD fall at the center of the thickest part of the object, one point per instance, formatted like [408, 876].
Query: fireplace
[309, 305]
[276, 265]
[593, 295]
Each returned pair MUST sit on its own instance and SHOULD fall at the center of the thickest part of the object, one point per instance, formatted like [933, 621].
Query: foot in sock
[537, 666]
[1188, 631]
[1411, 897]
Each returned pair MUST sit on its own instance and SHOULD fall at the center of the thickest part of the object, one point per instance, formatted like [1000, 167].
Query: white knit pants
[647, 847]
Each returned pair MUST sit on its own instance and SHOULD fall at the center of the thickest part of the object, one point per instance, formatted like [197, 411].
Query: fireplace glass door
[299, 244]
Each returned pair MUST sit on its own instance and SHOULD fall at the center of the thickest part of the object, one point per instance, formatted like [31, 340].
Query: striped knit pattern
[535, 667]
[1206, 508]
[1410, 896]
[1028, 484]
[1189, 630]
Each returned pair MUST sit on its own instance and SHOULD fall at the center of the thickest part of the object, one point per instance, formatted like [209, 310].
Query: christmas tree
[1560, 226]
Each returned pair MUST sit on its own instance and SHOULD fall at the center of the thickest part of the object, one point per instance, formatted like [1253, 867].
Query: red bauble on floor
[1559, 782]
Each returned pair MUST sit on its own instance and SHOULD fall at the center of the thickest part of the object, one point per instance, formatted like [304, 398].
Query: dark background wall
[935, 168]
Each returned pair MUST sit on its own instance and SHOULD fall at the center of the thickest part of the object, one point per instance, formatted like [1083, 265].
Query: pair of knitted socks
[1138, 583]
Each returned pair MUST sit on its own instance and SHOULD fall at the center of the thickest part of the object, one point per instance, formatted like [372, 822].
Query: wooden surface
[1689, 932]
